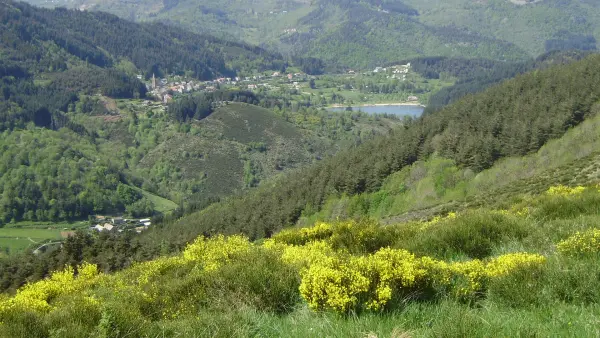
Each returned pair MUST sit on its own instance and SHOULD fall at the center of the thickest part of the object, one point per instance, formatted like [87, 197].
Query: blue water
[395, 110]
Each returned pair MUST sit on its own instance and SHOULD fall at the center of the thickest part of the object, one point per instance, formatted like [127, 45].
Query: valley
[372, 168]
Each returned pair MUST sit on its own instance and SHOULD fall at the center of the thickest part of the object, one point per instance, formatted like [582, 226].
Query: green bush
[573, 280]
[259, 280]
[473, 234]
[561, 207]
[24, 324]
[520, 288]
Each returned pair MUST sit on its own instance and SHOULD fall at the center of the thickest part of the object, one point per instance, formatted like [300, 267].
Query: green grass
[11, 245]
[48, 225]
[13, 240]
[161, 205]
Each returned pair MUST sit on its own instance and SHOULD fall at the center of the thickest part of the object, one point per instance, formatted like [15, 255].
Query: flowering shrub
[302, 236]
[581, 243]
[506, 264]
[341, 267]
[214, 252]
[562, 190]
[438, 219]
[36, 296]
[370, 282]
[304, 256]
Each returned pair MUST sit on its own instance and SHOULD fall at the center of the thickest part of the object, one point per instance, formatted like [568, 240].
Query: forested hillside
[342, 33]
[514, 118]
[71, 96]
[476, 75]
[368, 33]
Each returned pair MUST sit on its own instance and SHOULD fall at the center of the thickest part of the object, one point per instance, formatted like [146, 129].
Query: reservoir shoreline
[377, 105]
[399, 109]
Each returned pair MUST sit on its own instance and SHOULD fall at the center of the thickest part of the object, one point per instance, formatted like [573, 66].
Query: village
[164, 90]
[119, 224]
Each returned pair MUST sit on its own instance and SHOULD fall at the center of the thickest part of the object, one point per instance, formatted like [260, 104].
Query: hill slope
[433, 159]
[345, 33]
[368, 33]
[475, 132]
[477, 273]
[71, 96]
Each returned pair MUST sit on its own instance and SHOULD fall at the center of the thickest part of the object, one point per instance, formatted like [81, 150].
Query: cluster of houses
[164, 89]
[120, 224]
[398, 71]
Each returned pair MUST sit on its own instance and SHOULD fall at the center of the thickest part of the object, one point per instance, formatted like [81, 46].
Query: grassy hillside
[476, 273]
[434, 186]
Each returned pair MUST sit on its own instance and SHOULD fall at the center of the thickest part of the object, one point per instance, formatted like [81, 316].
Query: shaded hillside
[475, 76]
[102, 39]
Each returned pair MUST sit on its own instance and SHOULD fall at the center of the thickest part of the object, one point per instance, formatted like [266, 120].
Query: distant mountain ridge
[355, 33]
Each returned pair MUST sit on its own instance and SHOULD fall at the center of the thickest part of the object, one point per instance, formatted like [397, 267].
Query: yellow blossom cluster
[345, 283]
[301, 236]
[562, 190]
[582, 243]
[36, 296]
[214, 252]
[504, 265]
[438, 219]
[303, 256]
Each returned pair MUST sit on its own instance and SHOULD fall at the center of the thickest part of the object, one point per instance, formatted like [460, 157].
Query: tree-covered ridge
[103, 39]
[361, 33]
[58, 177]
[536, 27]
[367, 36]
[343, 33]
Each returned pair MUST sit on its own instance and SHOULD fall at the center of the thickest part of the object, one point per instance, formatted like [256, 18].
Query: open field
[13, 240]
[19, 236]
[161, 205]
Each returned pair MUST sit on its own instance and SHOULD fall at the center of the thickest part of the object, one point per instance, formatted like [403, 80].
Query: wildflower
[581, 243]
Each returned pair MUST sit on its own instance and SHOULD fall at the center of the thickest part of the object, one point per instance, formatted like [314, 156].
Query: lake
[400, 110]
